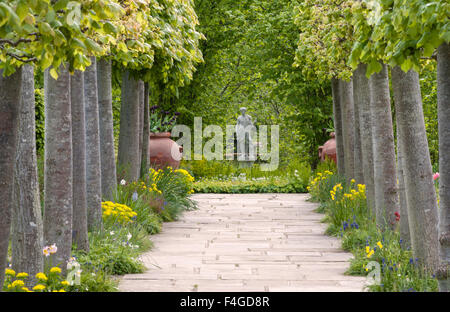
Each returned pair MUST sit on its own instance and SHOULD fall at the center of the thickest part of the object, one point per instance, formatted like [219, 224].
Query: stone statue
[244, 131]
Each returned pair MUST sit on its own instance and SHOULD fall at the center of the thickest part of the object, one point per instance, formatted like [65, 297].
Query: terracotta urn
[328, 150]
[164, 151]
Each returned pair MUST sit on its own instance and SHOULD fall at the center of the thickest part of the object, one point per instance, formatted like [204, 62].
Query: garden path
[246, 242]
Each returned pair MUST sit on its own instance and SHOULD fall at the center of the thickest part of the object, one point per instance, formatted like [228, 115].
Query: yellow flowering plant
[42, 282]
[163, 191]
[117, 213]
[320, 184]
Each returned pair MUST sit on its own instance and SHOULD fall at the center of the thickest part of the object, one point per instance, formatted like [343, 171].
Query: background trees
[249, 51]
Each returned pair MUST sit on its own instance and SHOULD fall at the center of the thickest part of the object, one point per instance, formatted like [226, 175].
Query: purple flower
[345, 226]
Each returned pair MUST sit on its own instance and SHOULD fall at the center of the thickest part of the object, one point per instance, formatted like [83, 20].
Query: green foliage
[49, 33]
[40, 120]
[399, 33]
[428, 88]
[161, 120]
[93, 280]
[325, 40]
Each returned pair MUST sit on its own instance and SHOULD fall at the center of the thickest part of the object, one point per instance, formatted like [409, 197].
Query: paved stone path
[246, 242]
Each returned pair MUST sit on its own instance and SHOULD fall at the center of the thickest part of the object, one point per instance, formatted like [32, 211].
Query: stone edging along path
[245, 242]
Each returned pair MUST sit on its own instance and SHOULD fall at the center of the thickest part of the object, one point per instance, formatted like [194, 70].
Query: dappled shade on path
[246, 242]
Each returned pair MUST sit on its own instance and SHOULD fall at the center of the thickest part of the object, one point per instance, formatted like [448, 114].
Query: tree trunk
[58, 166]
[420, 192]
[404, 219]
[443, 99]
[93, 166]
[385, 178]
[141, 119]
[129, 153]
[107, 151]
[348, 127]
[337, 115]
[365, 126]
[27, 237]
[80, 223]
[145, 157]
[10, 95]
[357, 98]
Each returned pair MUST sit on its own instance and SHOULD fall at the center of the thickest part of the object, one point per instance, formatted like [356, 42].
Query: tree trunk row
[77, 144]
[366, 152]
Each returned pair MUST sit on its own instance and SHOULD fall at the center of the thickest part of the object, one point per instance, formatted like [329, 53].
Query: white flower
[123, 182]
[78, 273]
[73, 263]
[129, 236]
[46, 251]
[111, 233]
[53, 249]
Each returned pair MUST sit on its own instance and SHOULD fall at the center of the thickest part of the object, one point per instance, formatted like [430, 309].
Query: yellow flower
[62, 290]
[367, 249]
[22, 275]
[18, 283]
[41, 276]
[55, 270]
[10, 272]
[370, 254]
[39, 287]
[65, 283]
[379, 244]
[26, 289]
[352, 181]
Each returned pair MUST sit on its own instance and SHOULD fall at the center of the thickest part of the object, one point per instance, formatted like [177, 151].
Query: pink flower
[436, 176]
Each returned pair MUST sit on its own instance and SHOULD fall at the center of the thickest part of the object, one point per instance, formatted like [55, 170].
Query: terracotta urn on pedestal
[164, 151]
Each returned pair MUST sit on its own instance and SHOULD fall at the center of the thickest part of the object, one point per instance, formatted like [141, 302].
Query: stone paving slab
[246, 242]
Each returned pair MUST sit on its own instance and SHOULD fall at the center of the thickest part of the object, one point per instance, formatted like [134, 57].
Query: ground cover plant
[349, 218]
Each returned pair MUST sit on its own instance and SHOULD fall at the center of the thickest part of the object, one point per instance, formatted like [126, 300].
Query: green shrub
[95, 281]
[115, 249]
[291, 179]
[271, 185]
